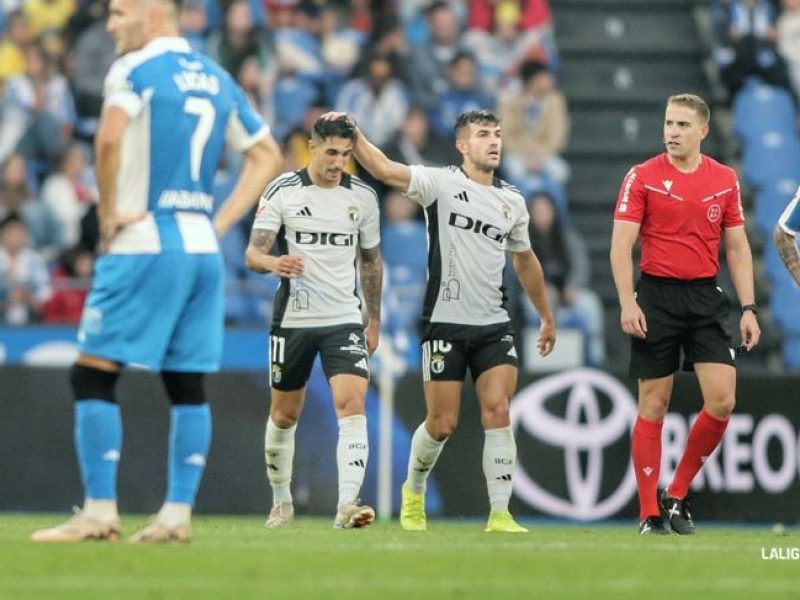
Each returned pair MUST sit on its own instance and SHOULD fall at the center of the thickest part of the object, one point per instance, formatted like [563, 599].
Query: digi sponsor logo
[324, 238]
[488, 230]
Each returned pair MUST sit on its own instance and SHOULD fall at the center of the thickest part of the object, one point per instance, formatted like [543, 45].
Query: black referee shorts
[688, 315]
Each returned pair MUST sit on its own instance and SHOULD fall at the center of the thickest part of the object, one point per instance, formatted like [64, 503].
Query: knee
[184, 388]
[90, 383]
[282, 418]
[721, 408]
[495, 416]
[441, 426]
[653, 407]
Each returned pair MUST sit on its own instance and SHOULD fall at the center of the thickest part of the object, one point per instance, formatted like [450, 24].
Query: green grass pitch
[235, 557]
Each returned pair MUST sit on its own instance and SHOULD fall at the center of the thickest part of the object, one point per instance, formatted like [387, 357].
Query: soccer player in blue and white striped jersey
[157, 296]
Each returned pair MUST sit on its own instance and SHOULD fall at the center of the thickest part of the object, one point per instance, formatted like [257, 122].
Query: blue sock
[98, 441]
[189, 440]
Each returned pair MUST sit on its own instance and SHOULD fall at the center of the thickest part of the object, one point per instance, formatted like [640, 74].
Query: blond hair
[696, 103]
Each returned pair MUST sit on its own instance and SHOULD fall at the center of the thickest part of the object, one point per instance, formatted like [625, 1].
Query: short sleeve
[423, 188]
[632, 198]
[269, 214]
[734, 213]
[245, 125]
[519, 239]
[120, 90]
[789, 220]
[370, 229]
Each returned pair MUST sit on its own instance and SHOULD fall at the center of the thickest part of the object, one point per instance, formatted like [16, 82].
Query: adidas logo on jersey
[304, 212]
[461, 196]
[362, 364]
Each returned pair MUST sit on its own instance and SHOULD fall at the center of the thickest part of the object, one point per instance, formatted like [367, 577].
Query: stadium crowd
[404, 70]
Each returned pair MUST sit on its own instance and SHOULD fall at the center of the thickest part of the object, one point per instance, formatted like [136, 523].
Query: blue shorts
[161, 311]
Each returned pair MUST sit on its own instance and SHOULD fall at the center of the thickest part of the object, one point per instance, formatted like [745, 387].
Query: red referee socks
[646, 454]
[704, 437]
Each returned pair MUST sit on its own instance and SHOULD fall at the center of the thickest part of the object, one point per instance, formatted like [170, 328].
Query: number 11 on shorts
[277, 348]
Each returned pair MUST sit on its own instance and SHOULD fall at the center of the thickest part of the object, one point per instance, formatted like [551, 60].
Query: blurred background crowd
[404, 69]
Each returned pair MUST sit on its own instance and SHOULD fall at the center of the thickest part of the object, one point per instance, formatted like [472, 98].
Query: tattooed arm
[258, 257]
[787, 248]
[371, 270]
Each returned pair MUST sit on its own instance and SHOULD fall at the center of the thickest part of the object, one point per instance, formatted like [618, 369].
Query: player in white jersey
[324, 221]
[158, 290]
[473, 218]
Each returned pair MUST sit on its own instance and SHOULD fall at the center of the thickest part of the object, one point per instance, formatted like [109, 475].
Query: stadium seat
[758, 108]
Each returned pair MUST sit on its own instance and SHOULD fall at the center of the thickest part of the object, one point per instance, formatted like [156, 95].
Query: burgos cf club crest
[277, 374]
[437, 363]
[352, 211]
[506, 212]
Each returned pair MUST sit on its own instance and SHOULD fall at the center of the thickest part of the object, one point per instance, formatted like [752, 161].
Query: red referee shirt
[682, 215]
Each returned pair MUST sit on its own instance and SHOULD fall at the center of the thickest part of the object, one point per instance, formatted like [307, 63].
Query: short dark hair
[11, 219]
[340, 127]
[481, 117]
[530, 69]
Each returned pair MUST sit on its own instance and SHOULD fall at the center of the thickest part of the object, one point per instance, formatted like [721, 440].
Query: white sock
[173, 514]
[499, 458]
[352, 453]
[104, 511]
[424, 452]
[279, 456]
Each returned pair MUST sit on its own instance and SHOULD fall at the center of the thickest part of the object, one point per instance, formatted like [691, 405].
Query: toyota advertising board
[573, 440]
[572, 430]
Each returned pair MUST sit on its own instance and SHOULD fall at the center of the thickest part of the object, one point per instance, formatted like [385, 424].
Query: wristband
[751, 307]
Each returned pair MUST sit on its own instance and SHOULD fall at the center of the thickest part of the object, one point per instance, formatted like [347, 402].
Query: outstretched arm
[372, 158]
[257, 257]
[530, 275]
[371, 271]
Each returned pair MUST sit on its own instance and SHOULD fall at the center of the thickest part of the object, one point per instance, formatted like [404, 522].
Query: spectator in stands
[529, 14]
[48, 18]
[378, 102]
[194, 24]
[565, 262]
[536, 128]
[418, 145]
[789, 40]
[240, 39]
[67, 195]
[340, 47]
[12, 43]
[70, 284]
[17, 199]
[88, 61]
[463, 94]
[24, 281]
[747, 33]
[38, 112]
[429, 75]
[388, 40]
[512, 40]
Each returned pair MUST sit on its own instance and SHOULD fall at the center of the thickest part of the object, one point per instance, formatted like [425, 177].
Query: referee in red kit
[680, 203]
